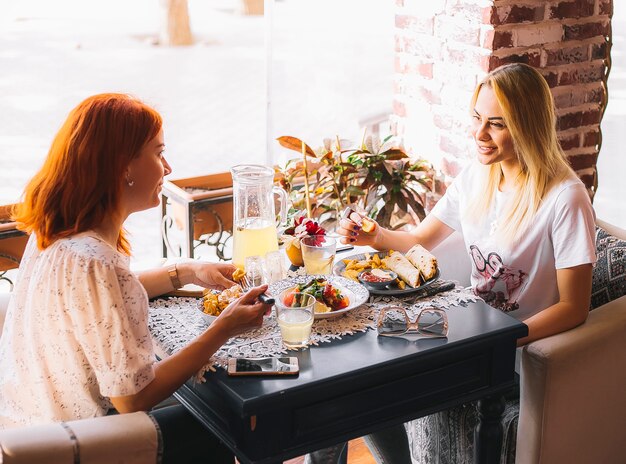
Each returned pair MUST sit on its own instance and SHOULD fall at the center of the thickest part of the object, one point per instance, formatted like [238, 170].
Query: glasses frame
[412, 327]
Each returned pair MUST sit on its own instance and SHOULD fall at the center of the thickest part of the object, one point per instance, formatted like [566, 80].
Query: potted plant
[377, 177]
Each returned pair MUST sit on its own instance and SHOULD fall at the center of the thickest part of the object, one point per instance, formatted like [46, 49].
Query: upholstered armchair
[572, 406]
[122, 439]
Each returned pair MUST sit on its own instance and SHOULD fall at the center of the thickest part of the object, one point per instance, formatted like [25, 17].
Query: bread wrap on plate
[401, 266]
[424, 260]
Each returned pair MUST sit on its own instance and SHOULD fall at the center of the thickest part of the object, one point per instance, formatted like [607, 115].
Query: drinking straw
[307, 198]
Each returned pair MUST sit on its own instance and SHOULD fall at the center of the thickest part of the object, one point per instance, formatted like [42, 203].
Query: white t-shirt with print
[521, 279]
[76, 333]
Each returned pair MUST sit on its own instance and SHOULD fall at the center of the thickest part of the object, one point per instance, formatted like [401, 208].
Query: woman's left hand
[217, 276]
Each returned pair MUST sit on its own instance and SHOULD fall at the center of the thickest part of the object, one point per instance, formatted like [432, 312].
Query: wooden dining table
[362, 383]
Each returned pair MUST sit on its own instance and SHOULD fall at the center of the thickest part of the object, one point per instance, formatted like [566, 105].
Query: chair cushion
[609, 273]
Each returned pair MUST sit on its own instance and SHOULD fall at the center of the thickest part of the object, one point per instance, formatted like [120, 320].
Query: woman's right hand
[354, 234]
[243, 314]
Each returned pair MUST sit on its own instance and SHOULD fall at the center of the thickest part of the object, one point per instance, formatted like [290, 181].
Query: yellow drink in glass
[318, 263]
[295, 326]
[318, 254]
[295, 314]
[254, 238]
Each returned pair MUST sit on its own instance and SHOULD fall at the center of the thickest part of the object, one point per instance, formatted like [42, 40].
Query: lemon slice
[321, 308]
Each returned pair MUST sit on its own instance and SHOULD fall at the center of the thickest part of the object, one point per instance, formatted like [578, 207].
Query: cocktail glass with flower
[318, 254]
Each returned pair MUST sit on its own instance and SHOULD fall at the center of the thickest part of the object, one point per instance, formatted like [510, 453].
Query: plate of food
[335, 295]
[213, 302]
[405, 273]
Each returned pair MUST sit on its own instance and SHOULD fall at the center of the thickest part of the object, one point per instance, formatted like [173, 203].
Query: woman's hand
[217, 276]
[243, 314]
[353, 233]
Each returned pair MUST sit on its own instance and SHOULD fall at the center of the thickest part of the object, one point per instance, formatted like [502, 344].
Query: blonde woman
[520, 205]
[525, 217]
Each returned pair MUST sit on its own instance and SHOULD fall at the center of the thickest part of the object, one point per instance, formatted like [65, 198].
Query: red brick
[591, 117]
[530, 58]
[567, 55]
[582, 161]
[551, 77]
[589, 181]
[572, 9]
[415, 24]
[490, 15]
[599, 51]
[591, 139]
[585, 31]
[582, 76]
[578, 119]
[502, 39]
[595, 95]
[569, 120]
[562, 99]
[399, 109]
[516, 14]
[584, 96]
[569, 141]
[606, 7]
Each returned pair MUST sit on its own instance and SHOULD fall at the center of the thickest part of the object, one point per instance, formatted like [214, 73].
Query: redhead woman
[525, 217]
[76, 342]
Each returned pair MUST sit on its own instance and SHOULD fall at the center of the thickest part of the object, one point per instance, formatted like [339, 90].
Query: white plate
[356, 293]
[391, 290]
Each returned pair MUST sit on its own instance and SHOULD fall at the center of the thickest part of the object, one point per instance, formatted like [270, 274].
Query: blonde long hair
[528, 112]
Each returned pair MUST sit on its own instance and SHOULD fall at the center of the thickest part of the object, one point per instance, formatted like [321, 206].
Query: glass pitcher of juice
[254, 216]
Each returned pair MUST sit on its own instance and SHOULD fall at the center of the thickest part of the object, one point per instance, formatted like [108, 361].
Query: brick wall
[444, 47]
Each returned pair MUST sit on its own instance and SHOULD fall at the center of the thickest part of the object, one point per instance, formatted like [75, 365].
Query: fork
[248, 282]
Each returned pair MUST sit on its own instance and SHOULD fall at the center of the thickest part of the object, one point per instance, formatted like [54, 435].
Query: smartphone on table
[263, 366]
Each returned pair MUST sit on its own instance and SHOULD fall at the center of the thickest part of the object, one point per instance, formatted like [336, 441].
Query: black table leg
[488, 433]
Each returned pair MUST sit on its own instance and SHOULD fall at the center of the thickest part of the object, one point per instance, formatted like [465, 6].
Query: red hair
[80, 183]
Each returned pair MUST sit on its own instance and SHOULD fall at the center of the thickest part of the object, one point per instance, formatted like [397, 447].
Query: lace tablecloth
[174, 322]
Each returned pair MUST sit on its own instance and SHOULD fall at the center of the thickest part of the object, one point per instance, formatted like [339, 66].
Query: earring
[130, 182]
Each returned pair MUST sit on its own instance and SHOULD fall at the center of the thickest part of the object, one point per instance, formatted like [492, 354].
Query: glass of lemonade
[318, 254]
[295, 314]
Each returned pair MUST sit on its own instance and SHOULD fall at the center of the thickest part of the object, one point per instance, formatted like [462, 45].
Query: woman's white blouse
[76, 333]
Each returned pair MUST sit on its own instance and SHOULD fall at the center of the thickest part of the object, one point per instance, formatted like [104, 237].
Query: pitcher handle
[283, 206]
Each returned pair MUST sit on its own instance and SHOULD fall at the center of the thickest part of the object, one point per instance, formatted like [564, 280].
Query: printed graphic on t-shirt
[499, 285]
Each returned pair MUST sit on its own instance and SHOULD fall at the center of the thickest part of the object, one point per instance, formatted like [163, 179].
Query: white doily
[174, 322]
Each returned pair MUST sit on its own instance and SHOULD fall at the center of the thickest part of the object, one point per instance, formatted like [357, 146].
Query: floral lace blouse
[76, 333]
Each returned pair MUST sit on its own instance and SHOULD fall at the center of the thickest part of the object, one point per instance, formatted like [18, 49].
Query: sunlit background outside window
[307, 68]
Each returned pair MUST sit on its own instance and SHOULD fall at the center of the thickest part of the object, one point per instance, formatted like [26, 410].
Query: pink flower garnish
[303, 227]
